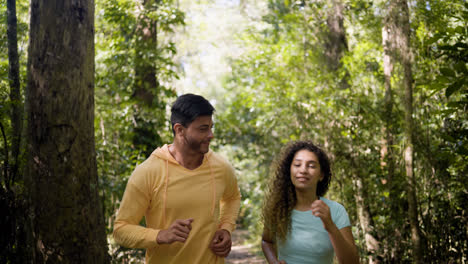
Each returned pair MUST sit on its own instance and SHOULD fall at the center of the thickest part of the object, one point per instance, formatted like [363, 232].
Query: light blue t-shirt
[308, 242]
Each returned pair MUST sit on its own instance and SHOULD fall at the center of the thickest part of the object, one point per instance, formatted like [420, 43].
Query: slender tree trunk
[14, 242]
[146, 84]
[364, 214]
[336, 45]
[389, 43]
[402, 37]
[388, 70]
[15, 89]
[336, 42]
[68, 225]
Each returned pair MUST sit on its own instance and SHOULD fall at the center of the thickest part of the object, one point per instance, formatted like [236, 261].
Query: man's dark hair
[187, 107]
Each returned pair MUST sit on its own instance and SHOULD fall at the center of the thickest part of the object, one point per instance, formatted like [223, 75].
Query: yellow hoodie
[162, 190]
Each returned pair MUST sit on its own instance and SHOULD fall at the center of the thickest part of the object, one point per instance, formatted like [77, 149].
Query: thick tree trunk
[68, 225]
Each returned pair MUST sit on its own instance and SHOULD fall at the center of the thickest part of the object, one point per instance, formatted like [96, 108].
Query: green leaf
[434, 39]
[447, 72]
[453, 88]
[460, 29]
[461, 67]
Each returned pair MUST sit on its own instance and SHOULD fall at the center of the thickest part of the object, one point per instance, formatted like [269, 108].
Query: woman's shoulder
[333, 204]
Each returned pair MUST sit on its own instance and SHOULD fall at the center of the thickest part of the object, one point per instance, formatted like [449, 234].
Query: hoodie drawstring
[166, 183]
[213, 184]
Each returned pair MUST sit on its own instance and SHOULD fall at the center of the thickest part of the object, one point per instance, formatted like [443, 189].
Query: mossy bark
[61, 172]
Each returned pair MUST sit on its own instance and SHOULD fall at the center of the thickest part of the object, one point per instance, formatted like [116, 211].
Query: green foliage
[127, 131]
[281, 90]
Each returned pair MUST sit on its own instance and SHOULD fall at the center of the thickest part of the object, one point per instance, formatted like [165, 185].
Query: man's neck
[187, 158]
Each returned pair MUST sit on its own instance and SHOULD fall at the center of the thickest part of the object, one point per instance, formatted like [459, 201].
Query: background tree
[402, 36]
[14, 221]
[330, 71]
[67, 218]
[134, 87]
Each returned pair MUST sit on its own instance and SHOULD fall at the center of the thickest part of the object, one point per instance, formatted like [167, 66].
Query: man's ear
[179, 129]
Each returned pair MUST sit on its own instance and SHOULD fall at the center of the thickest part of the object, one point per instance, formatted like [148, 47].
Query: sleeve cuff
[229, 227]
[150, 237]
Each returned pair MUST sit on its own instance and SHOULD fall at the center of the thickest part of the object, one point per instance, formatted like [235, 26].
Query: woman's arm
[269, 249]
[341, 239]
[343, 243]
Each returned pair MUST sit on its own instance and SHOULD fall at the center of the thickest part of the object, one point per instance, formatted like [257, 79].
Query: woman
[300, 225]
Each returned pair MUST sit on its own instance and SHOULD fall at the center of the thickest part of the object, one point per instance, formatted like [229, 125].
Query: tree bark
[336, 45]
[15, 89]
[146, 83]
[388, 101]
[336, 42]
[388, 156]
[402, 37]
[364, 214]
[67, 220]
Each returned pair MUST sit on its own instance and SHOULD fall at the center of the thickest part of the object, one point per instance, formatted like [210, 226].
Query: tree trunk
[146, 84]
[336, 45]
[364, 214]
[388, 70]
[336, 42]
[394, 189]
[15, 89]
[67, 221]
[402, 36]
[13, 243]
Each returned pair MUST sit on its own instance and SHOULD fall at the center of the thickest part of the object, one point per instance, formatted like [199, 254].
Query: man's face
[199, 133]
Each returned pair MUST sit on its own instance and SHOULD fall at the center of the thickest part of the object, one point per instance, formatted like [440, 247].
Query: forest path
[241, 252]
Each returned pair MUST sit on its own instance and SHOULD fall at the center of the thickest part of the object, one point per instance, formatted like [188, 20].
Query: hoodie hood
[164, 154]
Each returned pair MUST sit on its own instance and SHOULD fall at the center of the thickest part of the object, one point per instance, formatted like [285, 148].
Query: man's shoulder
[219, 159]
[151, 164]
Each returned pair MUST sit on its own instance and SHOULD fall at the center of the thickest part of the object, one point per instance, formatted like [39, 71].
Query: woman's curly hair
[281, 195]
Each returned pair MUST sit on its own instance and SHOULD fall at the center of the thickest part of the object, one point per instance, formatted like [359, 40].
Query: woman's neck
[305, 199]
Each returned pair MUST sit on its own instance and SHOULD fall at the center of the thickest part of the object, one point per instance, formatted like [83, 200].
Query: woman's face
[305, 170]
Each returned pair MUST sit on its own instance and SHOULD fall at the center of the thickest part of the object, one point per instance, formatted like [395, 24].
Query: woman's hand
[342, 240]
[320, 209]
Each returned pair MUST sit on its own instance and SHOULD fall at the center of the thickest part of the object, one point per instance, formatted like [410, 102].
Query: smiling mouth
[302, 179]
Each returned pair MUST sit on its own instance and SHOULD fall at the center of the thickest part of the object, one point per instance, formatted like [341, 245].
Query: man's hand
[178, 231]
[221, 243]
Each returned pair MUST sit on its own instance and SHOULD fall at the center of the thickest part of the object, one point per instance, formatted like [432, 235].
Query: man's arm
[230, 202]
[127, 231]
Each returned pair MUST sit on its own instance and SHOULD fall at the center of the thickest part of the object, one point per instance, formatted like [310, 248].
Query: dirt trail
[241, 252]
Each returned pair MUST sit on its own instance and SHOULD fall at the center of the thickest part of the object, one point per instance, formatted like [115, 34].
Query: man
[187, 193]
